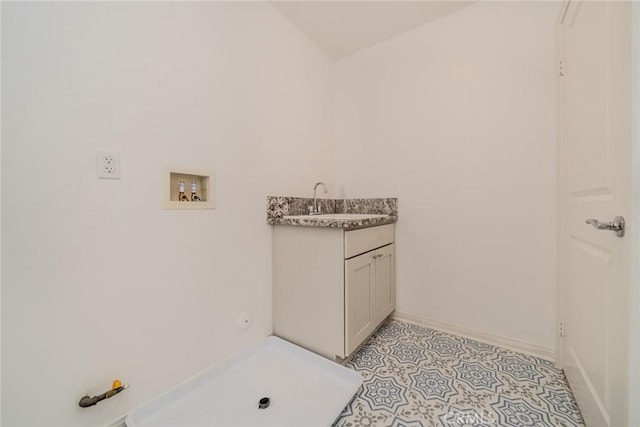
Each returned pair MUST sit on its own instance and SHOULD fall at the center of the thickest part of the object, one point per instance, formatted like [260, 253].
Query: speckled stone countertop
[336, 213]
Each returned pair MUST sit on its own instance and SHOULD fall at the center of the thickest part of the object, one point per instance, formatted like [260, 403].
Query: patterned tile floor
[414, 376]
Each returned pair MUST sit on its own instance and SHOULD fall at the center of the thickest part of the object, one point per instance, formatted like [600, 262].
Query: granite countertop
[337, 213]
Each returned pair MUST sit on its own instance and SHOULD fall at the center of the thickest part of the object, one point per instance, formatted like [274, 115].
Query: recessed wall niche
[187, 188]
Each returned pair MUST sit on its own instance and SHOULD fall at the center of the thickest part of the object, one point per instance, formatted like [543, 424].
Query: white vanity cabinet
[332, 287]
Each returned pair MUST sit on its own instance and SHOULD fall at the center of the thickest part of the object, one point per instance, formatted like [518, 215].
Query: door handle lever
[616, 225]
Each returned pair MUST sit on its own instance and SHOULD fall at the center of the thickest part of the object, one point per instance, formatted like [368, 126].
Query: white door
[595, 176]
[359, 317]
[384, 293]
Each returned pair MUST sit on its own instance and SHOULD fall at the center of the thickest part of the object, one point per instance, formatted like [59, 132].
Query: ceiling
[342, 28]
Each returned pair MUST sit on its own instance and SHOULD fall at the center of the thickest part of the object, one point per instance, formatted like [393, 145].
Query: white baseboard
[117, 423]
[497, 340]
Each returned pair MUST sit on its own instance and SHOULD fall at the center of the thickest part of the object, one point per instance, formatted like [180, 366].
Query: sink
[338, 217]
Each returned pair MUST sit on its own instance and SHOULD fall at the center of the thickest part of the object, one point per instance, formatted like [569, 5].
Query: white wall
[457, 119]
[634, 297]
[98, 282]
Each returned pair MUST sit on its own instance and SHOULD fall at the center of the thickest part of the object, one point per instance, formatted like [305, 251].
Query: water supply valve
[116, 387]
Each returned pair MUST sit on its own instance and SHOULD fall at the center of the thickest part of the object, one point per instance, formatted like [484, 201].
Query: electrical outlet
[108, 165]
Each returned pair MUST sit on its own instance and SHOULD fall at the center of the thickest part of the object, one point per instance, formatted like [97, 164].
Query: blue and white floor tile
[415, 376]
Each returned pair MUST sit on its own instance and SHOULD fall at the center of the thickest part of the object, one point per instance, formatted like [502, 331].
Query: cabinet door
[384, 294]
[359, 316]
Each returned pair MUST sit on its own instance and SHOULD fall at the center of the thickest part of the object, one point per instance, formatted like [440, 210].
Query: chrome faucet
[315, 209]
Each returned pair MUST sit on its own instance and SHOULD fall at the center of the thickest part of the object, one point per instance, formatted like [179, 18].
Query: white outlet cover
[108, 165]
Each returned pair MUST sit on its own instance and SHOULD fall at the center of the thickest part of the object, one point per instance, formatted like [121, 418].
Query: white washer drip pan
[304, 389]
